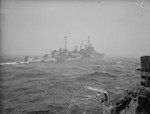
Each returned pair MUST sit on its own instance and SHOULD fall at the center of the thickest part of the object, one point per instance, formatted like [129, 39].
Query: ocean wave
[24, 62]
[97, 74]
[9, 63]
[114, 71]
[13, 63]
[63, 109]
[33, 88]
[97, 77]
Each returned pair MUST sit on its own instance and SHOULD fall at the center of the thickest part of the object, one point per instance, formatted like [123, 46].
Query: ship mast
[65, 42]
[88, 40]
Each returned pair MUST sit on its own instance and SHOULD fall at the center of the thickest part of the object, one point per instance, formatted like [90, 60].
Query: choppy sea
[48, 88]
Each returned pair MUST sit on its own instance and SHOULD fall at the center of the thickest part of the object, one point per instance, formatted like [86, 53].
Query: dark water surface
[47, 88]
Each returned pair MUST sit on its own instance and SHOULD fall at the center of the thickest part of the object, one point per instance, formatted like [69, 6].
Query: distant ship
[84, 53]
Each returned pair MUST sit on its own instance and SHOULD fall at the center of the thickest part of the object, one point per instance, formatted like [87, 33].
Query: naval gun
[138, 92]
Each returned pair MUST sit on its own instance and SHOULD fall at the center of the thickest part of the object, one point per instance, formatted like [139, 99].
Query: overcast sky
[37, 27]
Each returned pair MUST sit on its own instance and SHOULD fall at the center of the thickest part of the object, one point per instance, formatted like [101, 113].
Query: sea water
[48, 88]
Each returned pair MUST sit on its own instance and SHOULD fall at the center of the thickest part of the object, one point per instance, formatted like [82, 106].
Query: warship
[86, 52]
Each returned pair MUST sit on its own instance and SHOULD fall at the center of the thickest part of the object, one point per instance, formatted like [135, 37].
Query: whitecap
[10, 63]
[24, 62]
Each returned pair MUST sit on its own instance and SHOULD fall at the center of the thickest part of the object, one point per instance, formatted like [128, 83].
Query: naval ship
[86, 52]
